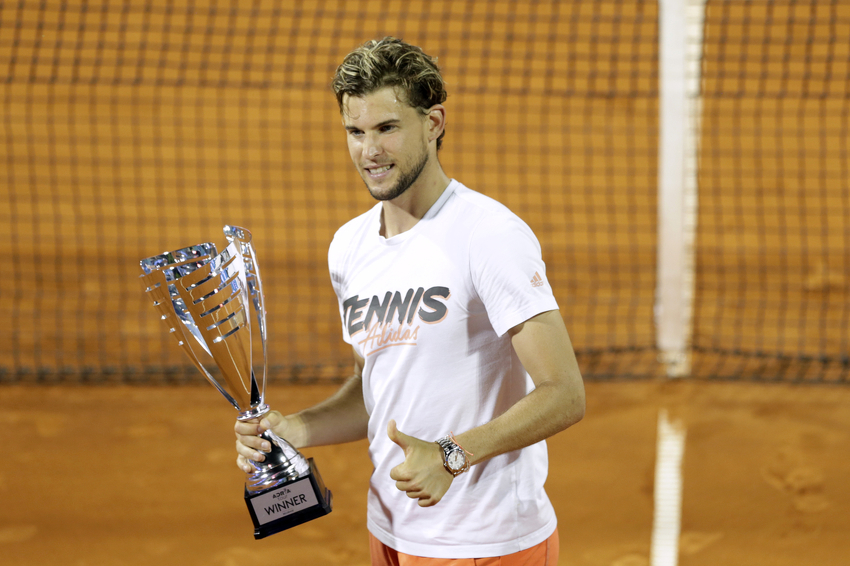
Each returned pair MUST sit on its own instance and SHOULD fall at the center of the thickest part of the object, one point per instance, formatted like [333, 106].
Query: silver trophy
[207, 301]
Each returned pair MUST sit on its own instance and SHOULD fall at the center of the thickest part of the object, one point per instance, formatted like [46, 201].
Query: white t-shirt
[428, 310]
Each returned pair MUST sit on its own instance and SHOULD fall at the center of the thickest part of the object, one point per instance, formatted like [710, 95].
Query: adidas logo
[537, 281]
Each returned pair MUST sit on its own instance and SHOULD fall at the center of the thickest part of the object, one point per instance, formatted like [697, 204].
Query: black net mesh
[136, 127]
[773, 250]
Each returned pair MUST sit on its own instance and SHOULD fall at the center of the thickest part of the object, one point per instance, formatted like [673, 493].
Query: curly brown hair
[391, 62]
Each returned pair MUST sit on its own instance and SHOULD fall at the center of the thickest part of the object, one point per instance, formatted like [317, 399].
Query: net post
[680, 104]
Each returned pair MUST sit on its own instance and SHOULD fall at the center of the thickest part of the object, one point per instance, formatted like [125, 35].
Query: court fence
[683, 163]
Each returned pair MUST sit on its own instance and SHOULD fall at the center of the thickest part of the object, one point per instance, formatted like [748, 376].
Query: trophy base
[285, 506]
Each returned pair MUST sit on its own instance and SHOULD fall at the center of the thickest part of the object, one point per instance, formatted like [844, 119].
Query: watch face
[455, 461]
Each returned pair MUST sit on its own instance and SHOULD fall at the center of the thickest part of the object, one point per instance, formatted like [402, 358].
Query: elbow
[580, 409]
[574, 405]
[564, 402]
[574, 411]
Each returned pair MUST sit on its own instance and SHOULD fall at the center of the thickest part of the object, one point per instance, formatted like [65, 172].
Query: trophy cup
[207, 301]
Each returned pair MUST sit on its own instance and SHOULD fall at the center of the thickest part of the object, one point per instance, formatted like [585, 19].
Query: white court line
[666, 524]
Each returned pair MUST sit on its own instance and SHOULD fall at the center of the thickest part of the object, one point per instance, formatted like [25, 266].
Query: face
[387, 140]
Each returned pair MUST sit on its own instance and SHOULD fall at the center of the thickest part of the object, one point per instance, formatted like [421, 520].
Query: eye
[387, 128]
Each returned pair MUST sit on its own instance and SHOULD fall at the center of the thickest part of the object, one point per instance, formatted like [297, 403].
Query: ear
[436, 119]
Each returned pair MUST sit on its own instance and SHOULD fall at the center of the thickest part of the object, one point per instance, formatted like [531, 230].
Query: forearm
[550, 408]
[339, 418]
[557, 402]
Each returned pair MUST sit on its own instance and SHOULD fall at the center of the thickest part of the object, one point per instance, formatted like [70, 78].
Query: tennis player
[462, 363]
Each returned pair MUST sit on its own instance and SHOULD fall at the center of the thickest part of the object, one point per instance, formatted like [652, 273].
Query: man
[462, 362]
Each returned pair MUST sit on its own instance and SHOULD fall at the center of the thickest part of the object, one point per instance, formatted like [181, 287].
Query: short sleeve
[336, 269]
[507, 270]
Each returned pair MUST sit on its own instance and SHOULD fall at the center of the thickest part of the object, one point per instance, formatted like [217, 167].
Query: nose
[373, 148]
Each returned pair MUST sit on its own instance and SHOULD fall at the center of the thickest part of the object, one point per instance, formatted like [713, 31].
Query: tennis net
[136, 127]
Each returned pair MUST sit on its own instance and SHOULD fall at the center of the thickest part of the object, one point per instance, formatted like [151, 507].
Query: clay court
[136, 128]
[145, 475]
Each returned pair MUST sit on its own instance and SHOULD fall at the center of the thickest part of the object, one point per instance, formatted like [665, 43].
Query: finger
[428, 501]
[257, 443]
[399, 473]
[248, 451]
[401, 439]
[244, 465]
[407, 486]
[270, 421]
[411, 489]
[247, 428]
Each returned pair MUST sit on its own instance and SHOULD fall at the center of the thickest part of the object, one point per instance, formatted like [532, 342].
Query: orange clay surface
[137, 476]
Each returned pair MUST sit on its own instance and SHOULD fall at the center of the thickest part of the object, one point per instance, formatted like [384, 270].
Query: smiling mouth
[379, 170]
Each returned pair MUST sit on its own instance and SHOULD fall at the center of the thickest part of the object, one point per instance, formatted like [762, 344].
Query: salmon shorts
[544, 554]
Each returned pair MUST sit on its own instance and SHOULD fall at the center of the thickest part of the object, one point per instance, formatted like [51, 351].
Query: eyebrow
[380, 125]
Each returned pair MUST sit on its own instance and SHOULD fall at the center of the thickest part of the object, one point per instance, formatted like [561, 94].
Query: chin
[382, 193]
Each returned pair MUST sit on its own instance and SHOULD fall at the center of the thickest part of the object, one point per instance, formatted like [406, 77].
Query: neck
[403, 212]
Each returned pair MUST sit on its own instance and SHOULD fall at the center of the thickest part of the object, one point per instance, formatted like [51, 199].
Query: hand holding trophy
[207, 299]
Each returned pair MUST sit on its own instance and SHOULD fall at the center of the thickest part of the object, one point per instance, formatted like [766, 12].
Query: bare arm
[342, 417]
[557, 402]
[544, 348]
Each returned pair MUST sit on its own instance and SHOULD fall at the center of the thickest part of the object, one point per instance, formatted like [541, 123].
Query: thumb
[401, 439]
[270, 421]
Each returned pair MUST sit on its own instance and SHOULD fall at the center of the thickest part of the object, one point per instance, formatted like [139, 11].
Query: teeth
[381, 169]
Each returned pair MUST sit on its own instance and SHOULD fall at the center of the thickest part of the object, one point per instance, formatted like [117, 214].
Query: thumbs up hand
[421, 475]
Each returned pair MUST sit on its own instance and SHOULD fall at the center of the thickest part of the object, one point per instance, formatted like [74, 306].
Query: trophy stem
[254, 412]
[283, 463]
[258, 408]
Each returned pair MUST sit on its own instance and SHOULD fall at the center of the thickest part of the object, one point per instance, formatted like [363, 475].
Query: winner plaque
[212, 303]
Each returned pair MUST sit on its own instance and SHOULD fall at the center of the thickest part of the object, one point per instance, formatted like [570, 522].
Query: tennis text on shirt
[393, 320]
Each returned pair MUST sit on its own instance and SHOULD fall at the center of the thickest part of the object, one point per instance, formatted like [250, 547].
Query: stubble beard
[404, 181]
